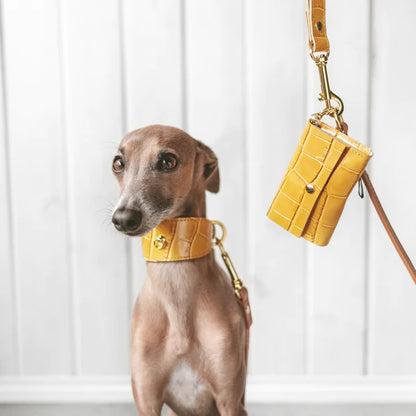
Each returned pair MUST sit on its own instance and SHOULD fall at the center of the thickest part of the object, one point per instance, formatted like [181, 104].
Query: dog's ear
[210, 167]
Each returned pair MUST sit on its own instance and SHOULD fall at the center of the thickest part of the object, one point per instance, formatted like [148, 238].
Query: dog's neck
[179, 282]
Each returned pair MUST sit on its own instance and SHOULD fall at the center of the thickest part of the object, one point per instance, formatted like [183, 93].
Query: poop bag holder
[324, 169]
[327, 163]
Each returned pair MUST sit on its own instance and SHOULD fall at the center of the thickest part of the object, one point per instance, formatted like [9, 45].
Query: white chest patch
[185, 385]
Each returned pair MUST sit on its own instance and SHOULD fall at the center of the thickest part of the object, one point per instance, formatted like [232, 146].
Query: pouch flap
[314, 160]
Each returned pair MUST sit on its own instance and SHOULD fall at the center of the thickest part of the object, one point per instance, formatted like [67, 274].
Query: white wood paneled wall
[77, 75]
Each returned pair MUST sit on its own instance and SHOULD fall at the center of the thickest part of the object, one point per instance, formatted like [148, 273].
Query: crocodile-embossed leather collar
[178, 239]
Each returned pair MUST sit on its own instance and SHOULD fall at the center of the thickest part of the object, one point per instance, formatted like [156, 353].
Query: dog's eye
[118, 165]
[167, 162]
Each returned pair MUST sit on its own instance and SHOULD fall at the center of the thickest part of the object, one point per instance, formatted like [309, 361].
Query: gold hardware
[236, 282]
[310, 189]
[160, 242]
[224, 232]
[326, 94]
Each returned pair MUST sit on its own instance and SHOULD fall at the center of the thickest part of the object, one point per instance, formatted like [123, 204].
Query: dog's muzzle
[127, 220]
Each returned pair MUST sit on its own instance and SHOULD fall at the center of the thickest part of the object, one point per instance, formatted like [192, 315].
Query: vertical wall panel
[93, 103]
[153, 79]
[37, 183]
[392, 169]
[338, 270]
[152, 38]
[215, 107]
[8, 325]
[275, 119]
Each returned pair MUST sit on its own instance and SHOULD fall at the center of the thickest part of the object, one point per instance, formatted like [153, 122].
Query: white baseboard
[332, 390]
[267, 390]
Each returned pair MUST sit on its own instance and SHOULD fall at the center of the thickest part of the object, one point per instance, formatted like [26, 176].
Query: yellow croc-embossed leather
[178, 239]
[324, 169]
[316, 22]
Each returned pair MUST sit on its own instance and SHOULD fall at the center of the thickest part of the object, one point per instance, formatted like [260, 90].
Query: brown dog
[188, 331]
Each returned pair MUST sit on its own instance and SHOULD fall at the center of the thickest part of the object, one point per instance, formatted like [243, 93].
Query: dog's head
[162, 171]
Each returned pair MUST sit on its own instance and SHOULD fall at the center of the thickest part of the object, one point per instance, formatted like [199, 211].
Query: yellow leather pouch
[325, 167]
[327, 163]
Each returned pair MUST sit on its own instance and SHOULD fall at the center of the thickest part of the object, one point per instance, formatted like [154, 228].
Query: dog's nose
[127, 220]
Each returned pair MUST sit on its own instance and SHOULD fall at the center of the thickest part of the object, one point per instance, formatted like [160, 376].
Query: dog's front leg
[148, 380]
[227, 371]
[228, 398]
[230, 404]
[231, 410]
[147, 396]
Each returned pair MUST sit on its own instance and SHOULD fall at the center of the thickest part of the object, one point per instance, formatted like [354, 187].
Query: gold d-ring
[214, 237]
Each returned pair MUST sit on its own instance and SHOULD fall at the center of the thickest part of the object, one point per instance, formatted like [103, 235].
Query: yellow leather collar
[178, 239]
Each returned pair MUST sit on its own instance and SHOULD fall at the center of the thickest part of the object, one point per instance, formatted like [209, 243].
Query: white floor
[258, 410]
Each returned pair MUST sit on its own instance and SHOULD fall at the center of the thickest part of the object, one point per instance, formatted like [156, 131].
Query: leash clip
[235, 280]
[326, 94]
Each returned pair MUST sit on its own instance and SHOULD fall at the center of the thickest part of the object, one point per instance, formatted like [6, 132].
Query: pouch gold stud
[310, 189]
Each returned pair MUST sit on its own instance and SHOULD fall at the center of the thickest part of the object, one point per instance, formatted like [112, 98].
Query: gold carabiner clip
[235, 280]
[326, 94]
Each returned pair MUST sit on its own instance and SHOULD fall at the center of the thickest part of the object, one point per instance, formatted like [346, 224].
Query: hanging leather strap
[386, 223]
[316, 21]
[319, 43]
[245, 305]
[384, 219]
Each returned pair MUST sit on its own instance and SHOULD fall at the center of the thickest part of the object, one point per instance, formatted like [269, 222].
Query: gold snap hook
[236, 282]
[338, 100]
[326, 94]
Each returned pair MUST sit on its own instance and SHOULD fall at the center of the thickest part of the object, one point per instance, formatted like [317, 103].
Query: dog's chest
[188, 390]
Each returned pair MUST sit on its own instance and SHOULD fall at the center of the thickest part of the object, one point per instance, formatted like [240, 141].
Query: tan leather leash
[319, 45]
[240, 290]
[386, 223]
